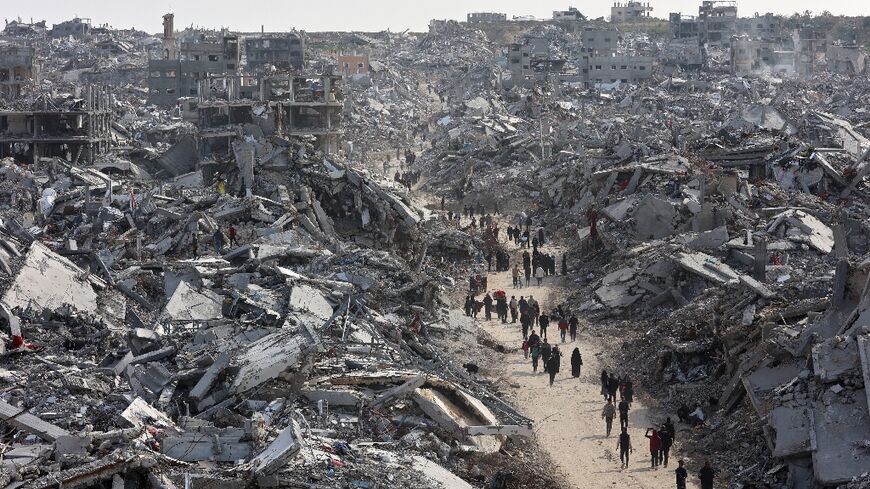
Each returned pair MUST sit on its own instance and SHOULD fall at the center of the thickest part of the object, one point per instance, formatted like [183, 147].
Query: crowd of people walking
[544, 352]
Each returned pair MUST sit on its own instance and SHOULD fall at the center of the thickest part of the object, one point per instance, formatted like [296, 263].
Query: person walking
[546, 351]
[572, 327]
[655, 444]
[536, 354]
[218, 237]
[539, 275]
[612, 386]
[623, 413]
[525, 322]
[487, 306]
[543, 323]
[607, 414]
[681, 474]
[469, 303]
[576, 363]
[554, 363]
[501, 307]
[513, 309]
[669, 427]
[563, 328]
[231, 233]
[534, 339]
[624, 447]
[666, 443]
[707, 475]
[564, 265]
[515, 273]
[526, 349]
[604, 380]
[629, 391]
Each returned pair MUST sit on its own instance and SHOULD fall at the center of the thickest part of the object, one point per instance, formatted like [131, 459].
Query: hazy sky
[366, 15]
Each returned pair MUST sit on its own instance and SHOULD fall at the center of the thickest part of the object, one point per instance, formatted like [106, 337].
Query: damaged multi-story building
[629, 11]
[482, 17]
[533, 60]
[846, 59]
[717, 22]
[77, 28]
[285, 51]
[17, 68]
[76, 129]
[602, 62]
[19, 28]
[572, 14]
[200, 63]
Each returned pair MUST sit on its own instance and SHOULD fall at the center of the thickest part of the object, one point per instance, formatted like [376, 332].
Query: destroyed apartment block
[75, 129]
[18, 67]
[223, 273]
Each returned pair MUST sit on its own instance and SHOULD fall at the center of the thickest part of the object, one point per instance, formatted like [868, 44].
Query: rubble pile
[226, 289]
[290, 348]
[728, 245]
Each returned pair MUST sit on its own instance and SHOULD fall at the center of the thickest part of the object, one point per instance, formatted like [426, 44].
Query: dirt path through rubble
[567, 416]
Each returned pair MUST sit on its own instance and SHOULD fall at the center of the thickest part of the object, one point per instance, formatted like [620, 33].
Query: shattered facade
[17, 68]
[629, 11]
[74, 129]
[240, 282]
[283, 51]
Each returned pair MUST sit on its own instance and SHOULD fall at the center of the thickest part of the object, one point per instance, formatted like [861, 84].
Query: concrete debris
[229, 256]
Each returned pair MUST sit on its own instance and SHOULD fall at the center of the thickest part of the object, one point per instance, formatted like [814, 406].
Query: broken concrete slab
[839, 431]
[398, 391]
[282, 449]
[707, 267]
[456, 411]
[208, 380]
[267, 358]
[437, 475]
[654, 219]
[619, 210]
[709, 240]
[835, 358]
[22, 420]
[189, 304]
[304, 298]
[48, 280]
[141, 415]
[208, 443]
[335, 397]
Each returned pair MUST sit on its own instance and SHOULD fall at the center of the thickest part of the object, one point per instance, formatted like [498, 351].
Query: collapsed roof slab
[707, 267]
[791, 425]
[839, 432]
[834, 358]
[48, 280]
[269, 357]
[188, 304]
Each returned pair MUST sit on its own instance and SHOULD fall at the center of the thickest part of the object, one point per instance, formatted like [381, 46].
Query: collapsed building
[76, 129]
[17, 68]
[716, 224]
[629, 11]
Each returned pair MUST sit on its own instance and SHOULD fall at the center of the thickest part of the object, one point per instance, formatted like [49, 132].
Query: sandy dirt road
[567, 416]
